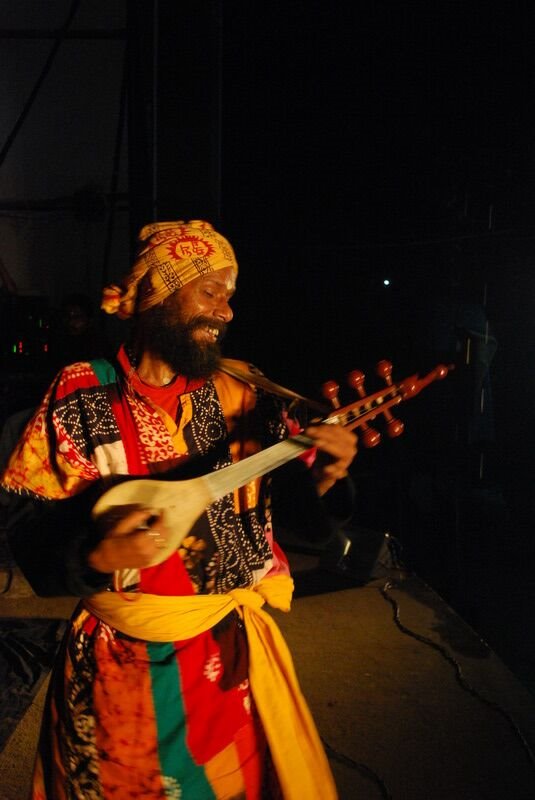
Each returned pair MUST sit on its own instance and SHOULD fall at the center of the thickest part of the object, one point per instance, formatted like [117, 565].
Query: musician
[171, 681]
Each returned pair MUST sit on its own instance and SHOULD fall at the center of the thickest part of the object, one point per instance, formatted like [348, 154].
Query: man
[172, 683]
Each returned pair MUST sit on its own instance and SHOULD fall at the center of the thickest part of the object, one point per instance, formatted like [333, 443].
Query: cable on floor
[461, 680]
[364, 770]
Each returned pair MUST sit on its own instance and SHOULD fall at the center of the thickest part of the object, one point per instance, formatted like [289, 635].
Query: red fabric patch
[207, 707]
[75, 377]
[129, 435]
[168, 579]
[251, 747]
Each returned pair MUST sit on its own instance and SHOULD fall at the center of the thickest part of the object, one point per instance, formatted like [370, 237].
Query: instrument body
[182, 502]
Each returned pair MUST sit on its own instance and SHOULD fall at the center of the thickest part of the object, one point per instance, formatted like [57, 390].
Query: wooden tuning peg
[370, 437]
[330, 390]
[355, 379]
[384, 370]
[394, 427]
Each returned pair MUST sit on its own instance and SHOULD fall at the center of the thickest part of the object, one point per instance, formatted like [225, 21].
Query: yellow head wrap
[171, 255]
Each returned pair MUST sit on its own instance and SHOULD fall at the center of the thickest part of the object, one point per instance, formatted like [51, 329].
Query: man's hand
[130, 542]
[337, 448]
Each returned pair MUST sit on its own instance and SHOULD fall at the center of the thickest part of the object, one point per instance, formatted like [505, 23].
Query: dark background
[339, 144]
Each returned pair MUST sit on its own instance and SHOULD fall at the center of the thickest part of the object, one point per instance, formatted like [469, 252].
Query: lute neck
[226, 480]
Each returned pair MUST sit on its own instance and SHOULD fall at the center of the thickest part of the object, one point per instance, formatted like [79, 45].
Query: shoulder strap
[241, 371]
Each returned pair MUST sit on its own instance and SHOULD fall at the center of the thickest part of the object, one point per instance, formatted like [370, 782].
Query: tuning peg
[355, 380]
[383, 369]
[370, 437]
[329, 391]
[394, 427]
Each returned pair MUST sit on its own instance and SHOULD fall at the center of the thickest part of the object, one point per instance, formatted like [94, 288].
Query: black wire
[364, 770]
[115, 168]
[46, 69]
[394, 548]
[463, 683]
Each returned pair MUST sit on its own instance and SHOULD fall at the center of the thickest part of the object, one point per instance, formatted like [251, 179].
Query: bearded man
[171, 681]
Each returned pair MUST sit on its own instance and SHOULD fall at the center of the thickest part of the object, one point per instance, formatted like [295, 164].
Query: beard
[172, 340]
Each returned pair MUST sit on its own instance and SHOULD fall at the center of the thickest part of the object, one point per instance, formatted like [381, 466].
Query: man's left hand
[337, 447]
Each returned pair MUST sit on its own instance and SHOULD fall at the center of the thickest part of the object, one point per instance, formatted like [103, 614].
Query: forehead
[224, 279]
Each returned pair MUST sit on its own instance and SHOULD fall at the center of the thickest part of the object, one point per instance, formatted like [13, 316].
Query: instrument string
[226, 480]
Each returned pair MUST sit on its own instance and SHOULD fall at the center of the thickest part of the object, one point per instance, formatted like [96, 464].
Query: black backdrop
[338, 145]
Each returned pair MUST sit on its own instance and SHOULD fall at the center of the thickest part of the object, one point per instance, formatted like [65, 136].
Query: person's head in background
[75, 314]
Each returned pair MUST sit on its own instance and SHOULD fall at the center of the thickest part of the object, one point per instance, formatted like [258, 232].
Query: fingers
[157, 532]
[333, 440]
[131, 541]
[124, 520]
[333, 472]
[337, 448]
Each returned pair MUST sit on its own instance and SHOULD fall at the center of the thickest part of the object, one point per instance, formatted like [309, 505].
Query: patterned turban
[171, 255]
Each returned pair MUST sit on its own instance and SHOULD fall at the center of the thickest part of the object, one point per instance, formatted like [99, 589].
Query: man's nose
[224, 311]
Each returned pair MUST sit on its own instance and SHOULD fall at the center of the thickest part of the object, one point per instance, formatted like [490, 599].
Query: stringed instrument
[182, 502]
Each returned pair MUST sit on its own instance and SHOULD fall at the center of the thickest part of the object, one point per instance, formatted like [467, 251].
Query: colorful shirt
[128, 718]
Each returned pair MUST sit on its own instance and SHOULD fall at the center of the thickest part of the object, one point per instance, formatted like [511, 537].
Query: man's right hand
[130, 542]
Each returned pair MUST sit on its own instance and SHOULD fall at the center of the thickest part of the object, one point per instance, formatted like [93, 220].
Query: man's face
[185, 330]
[205, 298]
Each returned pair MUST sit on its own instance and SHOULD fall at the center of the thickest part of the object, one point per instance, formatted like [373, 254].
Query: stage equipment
[361, 554]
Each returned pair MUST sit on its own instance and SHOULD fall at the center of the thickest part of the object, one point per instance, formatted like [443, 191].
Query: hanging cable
[155, 107]
[115, 170]
[46, 69]
[218, 114]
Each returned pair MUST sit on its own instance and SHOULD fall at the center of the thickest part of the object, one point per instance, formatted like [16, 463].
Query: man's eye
[208, 293]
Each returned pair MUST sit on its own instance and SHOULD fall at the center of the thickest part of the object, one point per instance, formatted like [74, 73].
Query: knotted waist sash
[299, 759]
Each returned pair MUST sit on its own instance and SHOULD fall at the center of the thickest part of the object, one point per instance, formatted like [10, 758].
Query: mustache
[201, 322]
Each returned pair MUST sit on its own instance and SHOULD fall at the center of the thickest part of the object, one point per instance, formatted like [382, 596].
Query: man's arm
[51, 542]
[298, 508]
[61, 551]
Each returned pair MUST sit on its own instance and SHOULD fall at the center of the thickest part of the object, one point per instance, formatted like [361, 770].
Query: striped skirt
[130, 719]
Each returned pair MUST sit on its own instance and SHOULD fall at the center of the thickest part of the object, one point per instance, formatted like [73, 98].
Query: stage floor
[410, 702]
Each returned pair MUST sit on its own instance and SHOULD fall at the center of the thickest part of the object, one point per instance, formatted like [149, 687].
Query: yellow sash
[298, 756]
